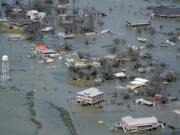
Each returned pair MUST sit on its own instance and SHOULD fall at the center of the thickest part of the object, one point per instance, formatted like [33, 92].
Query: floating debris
[141, 39]
[47, 29]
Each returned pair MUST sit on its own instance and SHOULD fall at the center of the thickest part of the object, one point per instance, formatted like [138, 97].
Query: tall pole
[5, 69]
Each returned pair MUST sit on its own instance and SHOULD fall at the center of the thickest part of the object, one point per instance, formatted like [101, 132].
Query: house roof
[32, 11]
[91, 92]
[141, 80]
[41, 47]
[130, 121]
[137, 82]
[120, 74]
[49, 51]
[138, 22]
[167, 11]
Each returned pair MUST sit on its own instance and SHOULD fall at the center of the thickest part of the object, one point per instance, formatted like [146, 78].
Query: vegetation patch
[30, 97]
[7, 28]
[38, 124]
[84, 83]
[64, 114]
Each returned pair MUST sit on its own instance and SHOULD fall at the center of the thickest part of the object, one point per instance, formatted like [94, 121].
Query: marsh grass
[30, 98]
[64, 114]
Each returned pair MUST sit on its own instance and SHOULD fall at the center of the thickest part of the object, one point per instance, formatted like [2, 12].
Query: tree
[18, 2]
[154, 86]
[37, 4]
[113, 49]
[126, 96]
[116, 41]
[49, 1]
[33, 31]
[169, 76]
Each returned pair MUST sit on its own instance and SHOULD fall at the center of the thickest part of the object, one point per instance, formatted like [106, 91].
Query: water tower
[5, 69]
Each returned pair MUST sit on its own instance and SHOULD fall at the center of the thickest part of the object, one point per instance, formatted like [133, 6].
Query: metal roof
[130, 121]
[167, 11]
[91, 92]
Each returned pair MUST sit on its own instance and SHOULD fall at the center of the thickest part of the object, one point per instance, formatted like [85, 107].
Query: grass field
[5, 28]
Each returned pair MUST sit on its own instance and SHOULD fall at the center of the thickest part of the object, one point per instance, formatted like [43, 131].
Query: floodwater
[52, 85]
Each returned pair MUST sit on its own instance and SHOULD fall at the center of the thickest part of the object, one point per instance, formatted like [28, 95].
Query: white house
[91, 96]
[34, 14]
[137, 82]
[131, 124]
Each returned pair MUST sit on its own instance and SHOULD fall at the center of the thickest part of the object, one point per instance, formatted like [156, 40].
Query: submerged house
[137, 82]
[166, 12]
[40, 48]
[130, 124]
[138, 23]
[43, 51]
[91, 96]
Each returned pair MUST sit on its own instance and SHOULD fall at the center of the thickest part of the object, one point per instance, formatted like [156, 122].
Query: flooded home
[166, 12]
[45, 52]
[138, 23]
[131, 124]
[91, 96]
[39, 48]
[137, 82]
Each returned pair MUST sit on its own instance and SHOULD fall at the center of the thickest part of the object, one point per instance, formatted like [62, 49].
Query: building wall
[90, 100]
[129, 127]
